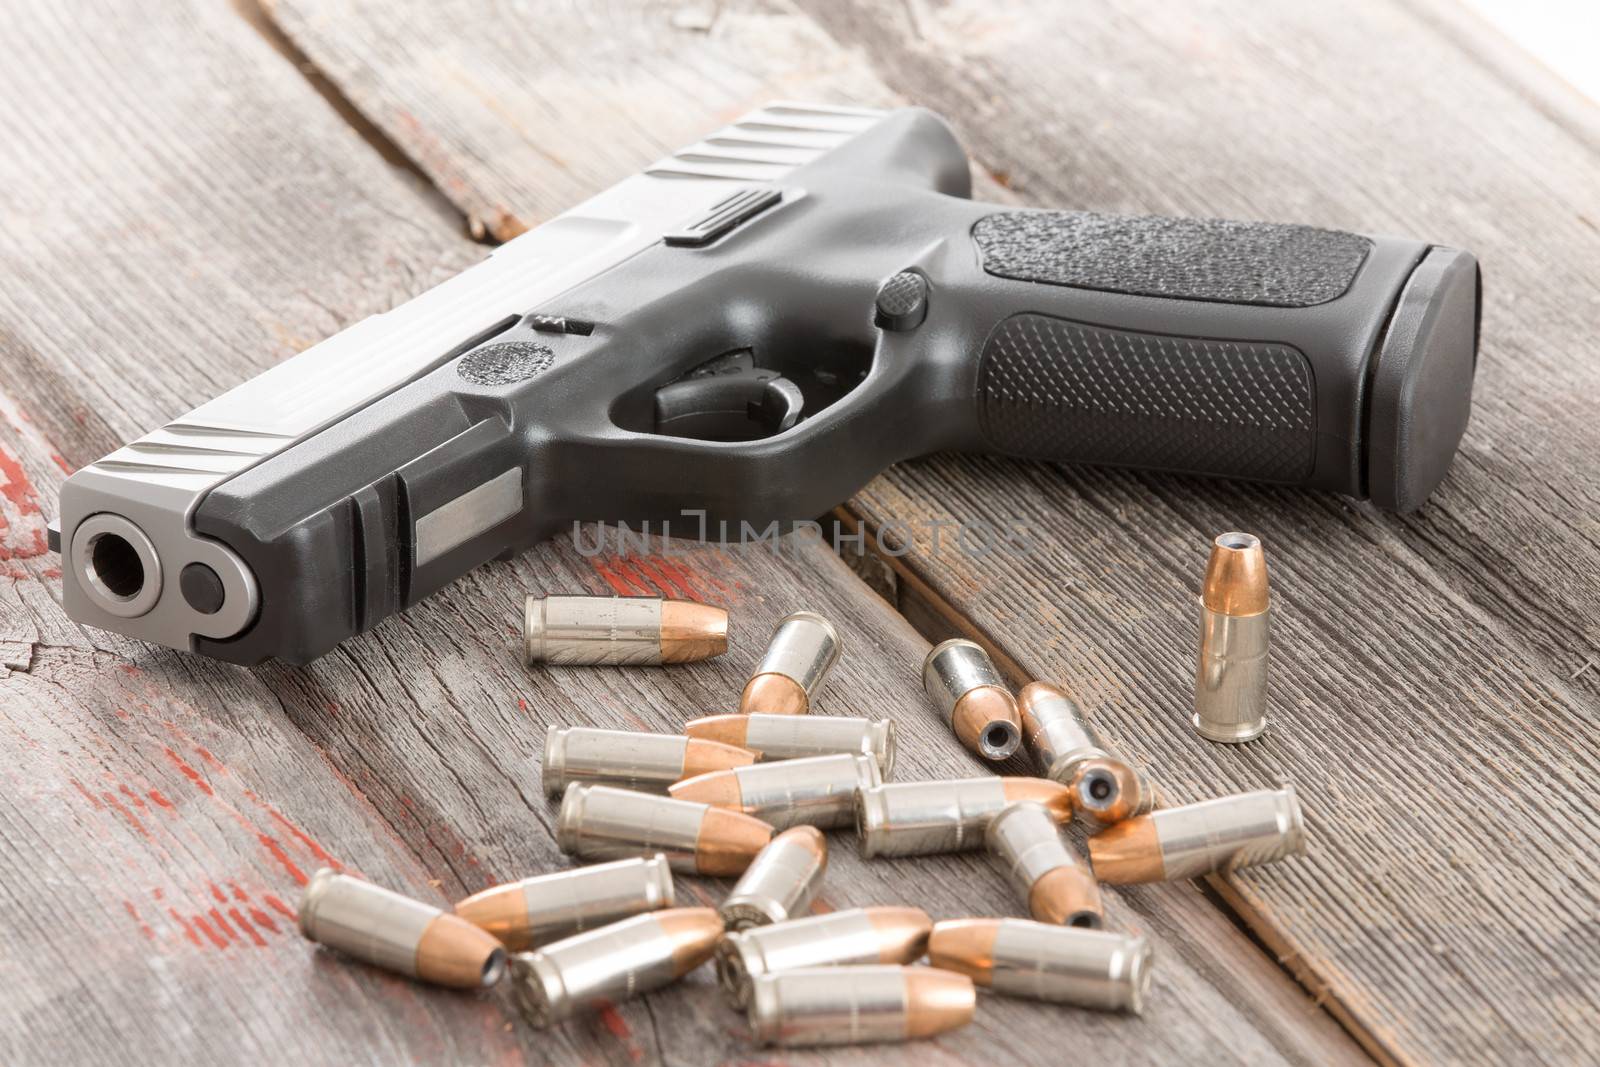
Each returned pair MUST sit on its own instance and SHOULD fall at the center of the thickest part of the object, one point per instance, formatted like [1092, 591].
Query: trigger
[738, 403]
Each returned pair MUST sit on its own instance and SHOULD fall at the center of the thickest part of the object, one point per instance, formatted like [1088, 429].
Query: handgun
[752, 329]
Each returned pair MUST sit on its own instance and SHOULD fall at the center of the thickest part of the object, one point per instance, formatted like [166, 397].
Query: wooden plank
[173, 227]
[403, 59]
[1434, 683]
[1440, 729]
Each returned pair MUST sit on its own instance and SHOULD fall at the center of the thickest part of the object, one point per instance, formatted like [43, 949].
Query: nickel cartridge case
[1055, 883]
[1214, 835]
[1230, 686]
[781, 882]
[857, 935]
[614, 963]
[817, 791]
[802, 649]
[854, 1005]
[538, 910]
[1018, 958]
[1058, 735]
[921, 818]
[648, 762]
[963, 683]
[781, 737]
[621, 630]
[397, 933]
[1107, 791]
[598, 822]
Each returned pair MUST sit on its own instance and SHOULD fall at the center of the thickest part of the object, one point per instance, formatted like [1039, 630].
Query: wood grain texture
[1436, 674]
[182, 211]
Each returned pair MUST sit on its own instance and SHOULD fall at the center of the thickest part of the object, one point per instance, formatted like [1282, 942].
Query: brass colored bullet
[782, 881]
[1107, 791]
[591, 970]
[853, 1005]
[921, 818]
[1026, 842]
[855, 935]
[621, 630]
[1057, 733]
[397, 933]
[816, 791]
[1230, 687]
[1067, 965]
[647, 762]
[1214, 835]
[802, 649]
[963, 683]
[782, 737]
[598, 822]
[549, 907]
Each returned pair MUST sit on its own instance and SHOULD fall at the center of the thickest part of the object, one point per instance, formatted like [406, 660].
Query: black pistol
[754, 328]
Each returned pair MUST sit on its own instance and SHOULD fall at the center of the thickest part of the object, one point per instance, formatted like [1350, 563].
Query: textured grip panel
[1056, 389]
[1261, 263]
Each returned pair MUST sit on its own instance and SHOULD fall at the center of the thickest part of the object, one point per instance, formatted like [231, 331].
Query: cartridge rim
[810, 616]
[737, 965]
[762, 1009]
[553, 763]
[871, 815]
[1234, 734]
[1139, 955]
[537, 988]
[570, 817]
[311, 900]
[1294, 832]
[884, 743]
[532, 630]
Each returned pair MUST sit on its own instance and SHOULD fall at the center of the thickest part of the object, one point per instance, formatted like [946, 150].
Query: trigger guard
[746, 406]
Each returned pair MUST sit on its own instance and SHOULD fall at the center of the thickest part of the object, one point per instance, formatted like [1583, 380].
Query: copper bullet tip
[1236, 576]
[1067, 896]
[965, 946]
[728, 842]
[1127, 853]
[701, 756]
[501, 910]
[774, 694]
[986, 720]
[1055, 797]
[693, 933]
[720, 789]
[809, 838]
[1107, 791]
[692, 631]
[728, 729]
[937, 1001]
[454, 952]
[902, 932]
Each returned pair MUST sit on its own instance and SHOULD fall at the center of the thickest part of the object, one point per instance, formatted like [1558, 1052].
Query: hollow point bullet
[852, 936]
[797, 658]
[784, 737]
[536, 911]
[922, 818]
[598, 822]
[621, 630]
[648, 762]
[1107, 791]
[1215, 835]
[963, 683]
[1056, 884]
[1230, 687]
[854, 1005]
[1063, 964]
[397, 933]
[816, 791]
[614, 963]
[781, 882]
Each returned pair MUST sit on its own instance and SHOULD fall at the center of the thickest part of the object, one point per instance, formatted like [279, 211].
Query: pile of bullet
[747, 796]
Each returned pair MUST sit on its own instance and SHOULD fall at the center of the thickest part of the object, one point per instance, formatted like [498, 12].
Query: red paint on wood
[122, 809]
[218, 894]
[133, 913]
[261, 918]
[190, 773]
[17, 488]
[222, 924]
[66, 468]
[250, 931]
[211, 935]
[238, 894]
[283, 859]
[138, 801]
[188, 931]
[647, 566]
[301, 836]
[280, 907]
[94, 801]
[209, 758]
[682, 576]
[159, 800]
[613, 1021]
[618, 584]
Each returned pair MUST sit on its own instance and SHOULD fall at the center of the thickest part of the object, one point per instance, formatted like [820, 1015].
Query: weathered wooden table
[193, 190]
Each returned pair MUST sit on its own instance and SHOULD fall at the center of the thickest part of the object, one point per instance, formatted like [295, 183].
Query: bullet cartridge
[782, 737]
[854, 1005]
[397, 933]
[598, 822]
[816, 791]
[536, 911]
[1063, 964]
[963, 683]
[617, 630]
[1230, 686]
[802, 649]
[1057, 885]
[1057, 733]
[646, 762]
[922, 818]
[591, 970]
[781, 882]
[1214, 835]
[856, 935]
[1107, 791]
